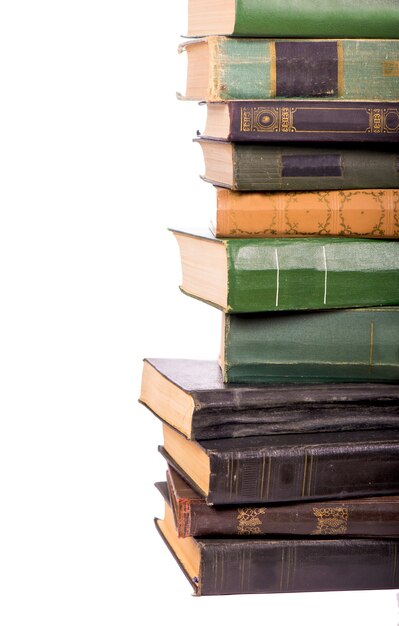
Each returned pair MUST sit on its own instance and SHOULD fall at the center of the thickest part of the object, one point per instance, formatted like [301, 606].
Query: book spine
[258, 167]
[255, 18]
[249, 566]
[327, 416]
[285, 274]
[301, 472]
[371, 213]
[286, 120]
[348, 69]
[373, 517]
[352, 345]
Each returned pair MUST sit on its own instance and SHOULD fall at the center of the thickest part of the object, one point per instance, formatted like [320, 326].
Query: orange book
[372, 213]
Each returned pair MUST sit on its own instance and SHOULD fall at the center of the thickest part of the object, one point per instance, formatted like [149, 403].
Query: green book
[255, 275]
[225, 68]
[351, 345]
[296, 18]
[282, 167]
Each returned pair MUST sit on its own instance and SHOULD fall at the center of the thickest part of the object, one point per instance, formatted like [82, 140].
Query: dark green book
[254, 275]
[260, 167]
[349, 345]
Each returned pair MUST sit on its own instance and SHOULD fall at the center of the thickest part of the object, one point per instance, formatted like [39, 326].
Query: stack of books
[283, 457]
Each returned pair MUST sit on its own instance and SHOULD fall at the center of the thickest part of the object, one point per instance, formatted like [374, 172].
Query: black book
[190, 396]
[280, 468]
[223, 565]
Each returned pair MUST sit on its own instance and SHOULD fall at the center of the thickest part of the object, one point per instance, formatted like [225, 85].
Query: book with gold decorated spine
[356, 517]
[292, 120]
[227, 565]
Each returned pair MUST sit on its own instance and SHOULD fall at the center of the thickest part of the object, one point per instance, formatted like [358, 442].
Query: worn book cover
[232, 68]
[356, 517]
[191, 396]
[259, 275]
[289, 467]
[291, 120]
[347, 345]
[369, 213]
[223, 565]
[310, 167]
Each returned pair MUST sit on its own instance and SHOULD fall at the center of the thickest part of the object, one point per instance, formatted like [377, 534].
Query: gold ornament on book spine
[331, 521]
[267, 119]
[249, 522]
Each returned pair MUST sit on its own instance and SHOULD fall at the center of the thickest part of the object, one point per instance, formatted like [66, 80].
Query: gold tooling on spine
[272, 52]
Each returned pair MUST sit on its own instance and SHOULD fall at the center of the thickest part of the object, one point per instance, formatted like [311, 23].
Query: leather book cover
[236, 566]
[223, 410]
[356, 517]
[270, 121]
[370, 213]
[298, 467]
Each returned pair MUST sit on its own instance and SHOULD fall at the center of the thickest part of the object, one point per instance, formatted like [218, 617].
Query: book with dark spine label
[357, 517]
[310, 167]
[259, 275]
[369, 213]
[190, 395]
[225, 565]
[289, 467]
[268, 121]
[225, 68]
[258, 18]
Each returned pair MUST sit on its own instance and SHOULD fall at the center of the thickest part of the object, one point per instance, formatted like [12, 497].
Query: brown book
[291, 120]
[371, 213]
[225, 565]
[287, 468]
[360, 517]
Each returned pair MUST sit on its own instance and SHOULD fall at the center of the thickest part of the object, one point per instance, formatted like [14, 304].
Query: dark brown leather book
[190, 396]
[218, 566]
[269, 121]
[357, 517]
[283, 468]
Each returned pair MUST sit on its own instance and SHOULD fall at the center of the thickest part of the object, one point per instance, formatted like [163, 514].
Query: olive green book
[303, 167]
[348, 345]
[256, 275]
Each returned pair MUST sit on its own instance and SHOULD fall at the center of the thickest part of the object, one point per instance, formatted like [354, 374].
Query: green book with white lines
[257, 275]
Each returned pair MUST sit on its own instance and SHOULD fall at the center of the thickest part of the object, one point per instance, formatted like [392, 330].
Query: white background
[96, 162]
